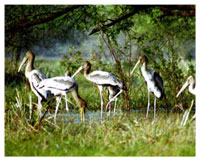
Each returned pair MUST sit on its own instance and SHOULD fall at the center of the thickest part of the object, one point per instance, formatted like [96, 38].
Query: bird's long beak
[23, 62]
[137, 64]
[182, 89]
[80, 68]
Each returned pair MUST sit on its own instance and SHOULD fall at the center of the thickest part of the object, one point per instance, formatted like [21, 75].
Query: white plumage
[34, 77]
[153, 80]
[151, 83]
[102, 79]
[58, 85]
[189, 82]
[52, 87]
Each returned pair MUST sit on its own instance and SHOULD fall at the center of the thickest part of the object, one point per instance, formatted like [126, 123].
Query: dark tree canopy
[164, 33]
[29, 25]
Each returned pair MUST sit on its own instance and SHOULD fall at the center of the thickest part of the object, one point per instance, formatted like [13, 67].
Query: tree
[159, 31]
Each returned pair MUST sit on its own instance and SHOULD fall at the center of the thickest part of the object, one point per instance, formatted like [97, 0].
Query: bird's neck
[192, 87]
[86, 72]
[144, 67]
[29, 66]
[77, 98]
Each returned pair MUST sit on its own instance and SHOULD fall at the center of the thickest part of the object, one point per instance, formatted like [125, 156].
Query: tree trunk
[119, 69]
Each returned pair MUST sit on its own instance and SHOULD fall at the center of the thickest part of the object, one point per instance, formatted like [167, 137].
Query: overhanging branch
[136, 10]
[168, 10]
[41, 20]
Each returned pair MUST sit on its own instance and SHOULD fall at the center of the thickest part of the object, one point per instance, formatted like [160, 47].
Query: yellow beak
[183, 88]
[134, 68]
[23, 62]
[80, 68]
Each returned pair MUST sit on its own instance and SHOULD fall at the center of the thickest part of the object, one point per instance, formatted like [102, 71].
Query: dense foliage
[165, 34]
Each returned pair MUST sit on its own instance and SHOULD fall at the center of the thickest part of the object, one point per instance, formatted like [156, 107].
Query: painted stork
[153, 80]
[189, 82]
[34, 77]
[102, 79]
[52, 87]
[61, 86]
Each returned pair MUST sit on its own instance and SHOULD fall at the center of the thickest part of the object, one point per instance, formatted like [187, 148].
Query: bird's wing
[35, 80]
[58, 83]
[40, 74]
[35, 77]
[158, 81]
[104, 78]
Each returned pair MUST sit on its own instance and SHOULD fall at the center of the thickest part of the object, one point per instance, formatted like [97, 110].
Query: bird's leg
[82, 115]
[109, 109]
[66, 104]
[101, 96]
[109, 96]
[148, 104]
[114, 97]
[115, 104]
[39, 106]
[58, 99]
[154, 108]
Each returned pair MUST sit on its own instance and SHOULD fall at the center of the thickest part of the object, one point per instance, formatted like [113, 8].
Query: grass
[125, 134]
[118, 136]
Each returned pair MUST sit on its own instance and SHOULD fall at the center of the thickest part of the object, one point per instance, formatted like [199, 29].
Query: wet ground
[74, 116]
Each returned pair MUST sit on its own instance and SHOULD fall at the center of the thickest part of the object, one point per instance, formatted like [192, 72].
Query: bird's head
[189, 81]
[86, 66]
[68, 74]
[141, 60]
[28, 57]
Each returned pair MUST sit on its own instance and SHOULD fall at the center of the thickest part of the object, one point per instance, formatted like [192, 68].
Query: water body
[90, 116]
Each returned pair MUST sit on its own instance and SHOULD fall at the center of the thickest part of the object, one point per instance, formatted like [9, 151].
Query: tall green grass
[125, 134]
[121, 135]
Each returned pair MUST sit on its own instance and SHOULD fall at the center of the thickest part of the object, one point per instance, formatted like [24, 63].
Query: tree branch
[136, 10]
[51, 17]
[168, 10]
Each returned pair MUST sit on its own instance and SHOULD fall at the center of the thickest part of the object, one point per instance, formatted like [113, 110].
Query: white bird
[102, 79]
[153, 80]
[52, 87]
[34, 77]
[189, 82]
[61, 86]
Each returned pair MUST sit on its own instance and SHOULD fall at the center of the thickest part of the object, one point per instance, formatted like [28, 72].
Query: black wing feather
[159, 83]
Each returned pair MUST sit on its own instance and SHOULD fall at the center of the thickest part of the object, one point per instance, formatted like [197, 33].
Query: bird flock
[47, 88]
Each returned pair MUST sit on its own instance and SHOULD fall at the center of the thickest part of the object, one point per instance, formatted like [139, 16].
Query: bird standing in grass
[61, 86]
[153, 80]
[191, 83]
[45, 88]
[35, 77]
[102, 79]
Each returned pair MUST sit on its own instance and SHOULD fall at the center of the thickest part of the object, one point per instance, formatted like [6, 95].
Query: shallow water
[74, 116]
[89, 116]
